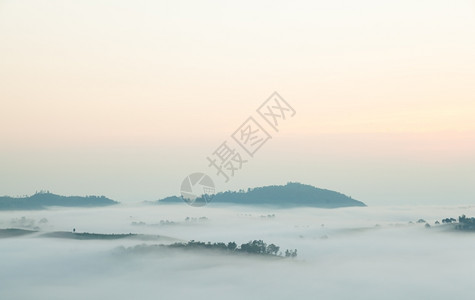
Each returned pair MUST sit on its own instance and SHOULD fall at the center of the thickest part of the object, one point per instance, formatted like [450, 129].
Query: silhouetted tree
[272, 249]
[449, 220]
[232, 246]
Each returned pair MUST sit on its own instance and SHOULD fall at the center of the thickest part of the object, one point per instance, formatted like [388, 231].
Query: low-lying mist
[347, 253]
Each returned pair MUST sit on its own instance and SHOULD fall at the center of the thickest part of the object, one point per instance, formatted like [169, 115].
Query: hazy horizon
[140, 100]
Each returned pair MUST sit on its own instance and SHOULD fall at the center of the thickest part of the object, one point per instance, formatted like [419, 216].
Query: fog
[347, 253]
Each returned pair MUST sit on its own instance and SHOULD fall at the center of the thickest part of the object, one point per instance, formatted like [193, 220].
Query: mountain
[290, 195]
[45, 199]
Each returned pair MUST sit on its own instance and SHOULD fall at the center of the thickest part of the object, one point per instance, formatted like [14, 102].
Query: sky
[126, 98]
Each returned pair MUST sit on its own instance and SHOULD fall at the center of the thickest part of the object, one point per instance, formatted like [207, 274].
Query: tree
[232, 246]
[294, 254]
[220, 246]
[449, 220]
[256, 246]
[272, 249]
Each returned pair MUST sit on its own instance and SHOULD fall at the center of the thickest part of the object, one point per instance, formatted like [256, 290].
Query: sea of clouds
[347, 253]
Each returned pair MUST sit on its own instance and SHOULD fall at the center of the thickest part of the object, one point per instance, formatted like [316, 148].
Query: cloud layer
[341, 254]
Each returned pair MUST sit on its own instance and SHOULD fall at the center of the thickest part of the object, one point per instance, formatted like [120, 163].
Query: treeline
[252, 247]
[462, 223]
[44, 199]
[88, 236]
[465, 223]
[290, 195]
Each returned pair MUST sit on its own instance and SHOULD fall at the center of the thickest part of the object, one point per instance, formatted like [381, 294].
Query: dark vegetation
[467, 224]
[289, 195]
[257, 247]
[463, 223]
[43, 199]
[13, 232]
[448, 220]
[88, 236]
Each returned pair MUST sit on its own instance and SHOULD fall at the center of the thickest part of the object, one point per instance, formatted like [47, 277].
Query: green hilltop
[290, 195]
[42, 200]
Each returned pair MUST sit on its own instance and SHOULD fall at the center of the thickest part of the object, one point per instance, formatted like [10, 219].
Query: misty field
[347, 253]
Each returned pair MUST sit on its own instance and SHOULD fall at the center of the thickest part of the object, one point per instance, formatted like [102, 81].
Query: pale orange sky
[126, 98]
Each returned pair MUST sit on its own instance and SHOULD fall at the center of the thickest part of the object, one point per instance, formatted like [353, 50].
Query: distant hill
[45, 199]
[289, 195]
